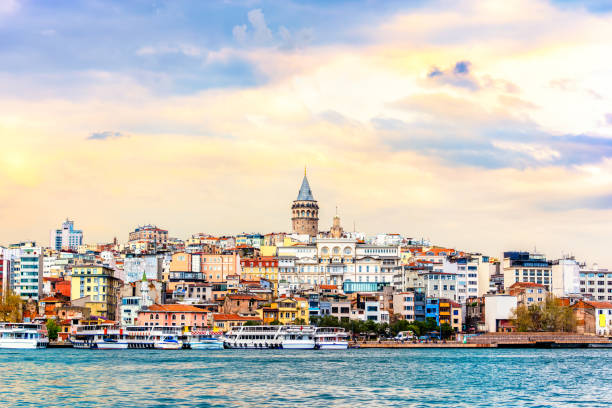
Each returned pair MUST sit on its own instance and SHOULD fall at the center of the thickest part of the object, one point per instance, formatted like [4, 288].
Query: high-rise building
[527, 267]
[66, 237]
[305, 211]
[27, 270]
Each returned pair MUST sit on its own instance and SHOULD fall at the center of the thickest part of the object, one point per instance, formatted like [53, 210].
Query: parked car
[404, 336]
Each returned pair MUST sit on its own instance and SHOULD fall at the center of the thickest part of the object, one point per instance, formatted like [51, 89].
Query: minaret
[144, 292]
[305, 211]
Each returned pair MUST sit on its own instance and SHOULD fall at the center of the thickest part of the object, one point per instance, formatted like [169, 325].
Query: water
[284, 378]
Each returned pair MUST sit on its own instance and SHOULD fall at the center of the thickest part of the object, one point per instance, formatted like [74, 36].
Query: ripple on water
[272, 378]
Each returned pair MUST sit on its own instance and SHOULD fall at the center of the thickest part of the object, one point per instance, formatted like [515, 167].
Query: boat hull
[212, 345]
[112, 346]
[168, 345]
[22, 344]
[341, 345]
[298, 345]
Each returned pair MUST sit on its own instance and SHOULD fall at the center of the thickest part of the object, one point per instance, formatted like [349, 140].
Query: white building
[603, 318]
[498, 311]
[596, 283]
[28, 271]
[565, 277]
[66, 237]
[151, 266]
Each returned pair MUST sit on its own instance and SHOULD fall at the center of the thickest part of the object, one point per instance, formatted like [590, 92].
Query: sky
[485, 126]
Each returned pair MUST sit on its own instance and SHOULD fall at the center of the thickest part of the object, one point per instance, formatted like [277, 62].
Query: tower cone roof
[305, 193]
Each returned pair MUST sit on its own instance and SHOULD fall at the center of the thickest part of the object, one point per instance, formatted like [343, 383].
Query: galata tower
[305, 211]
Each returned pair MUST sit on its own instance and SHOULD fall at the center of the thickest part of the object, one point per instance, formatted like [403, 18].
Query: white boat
[23, 336]
[109, 336]
[205, 340]
[270, 337]
[331, 338]
[98, 336]
[169, 342]
[110, 343]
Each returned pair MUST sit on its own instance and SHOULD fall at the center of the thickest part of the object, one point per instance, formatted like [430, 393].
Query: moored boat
[168, 342]
[205, 340]
[331, 338]
[270, 337]
[23, 336]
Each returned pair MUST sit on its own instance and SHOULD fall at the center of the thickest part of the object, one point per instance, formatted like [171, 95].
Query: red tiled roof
[51, 299]
[174, 308]
[232, 316]
[600, 305]
[527, 285]
[328, 287]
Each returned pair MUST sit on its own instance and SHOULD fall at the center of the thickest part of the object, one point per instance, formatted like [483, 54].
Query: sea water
[285, 378]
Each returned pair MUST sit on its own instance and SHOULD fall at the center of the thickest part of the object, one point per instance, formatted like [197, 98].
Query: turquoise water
[284, 378]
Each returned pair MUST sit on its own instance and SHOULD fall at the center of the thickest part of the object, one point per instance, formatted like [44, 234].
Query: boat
[168, 342]
[270, 337]
[205, 340]
[98, 336]
[107, 336]
[331, 338]
[110, 343]
[23, 336]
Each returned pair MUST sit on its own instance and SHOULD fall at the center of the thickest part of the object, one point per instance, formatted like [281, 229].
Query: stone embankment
[503, 340]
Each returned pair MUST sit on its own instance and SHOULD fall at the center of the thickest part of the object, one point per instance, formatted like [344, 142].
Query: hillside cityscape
[301, 277]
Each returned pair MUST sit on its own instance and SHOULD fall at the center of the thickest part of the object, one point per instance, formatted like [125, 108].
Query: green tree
[251, 323]
[275, 322]
[446, 330]
[52, 329]
[11, 308]
[299, 321]
[549, 315]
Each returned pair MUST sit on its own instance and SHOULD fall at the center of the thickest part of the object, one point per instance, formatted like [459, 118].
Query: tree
[251, 323]
[549, 315]
[326, 321]
[446, 330]
[299, 321]
[52, 329]
[11, 308]
[275, 322]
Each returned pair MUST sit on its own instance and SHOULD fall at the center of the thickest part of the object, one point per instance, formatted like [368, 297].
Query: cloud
[185, 49]
[462, 68]
[538, 152]
[608, 117]
[9, 6]
[105, 135]
[260, 33]
[457, 76]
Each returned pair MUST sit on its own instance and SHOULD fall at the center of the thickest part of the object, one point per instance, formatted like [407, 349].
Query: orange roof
[51, 299]
[527, 285]
[600, 305]
[232, 316]
[328, 287]
[174, 308]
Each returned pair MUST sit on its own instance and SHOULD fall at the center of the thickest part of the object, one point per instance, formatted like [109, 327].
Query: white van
[404, 335]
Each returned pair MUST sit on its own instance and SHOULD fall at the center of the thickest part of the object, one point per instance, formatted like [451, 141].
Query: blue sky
[501, 108]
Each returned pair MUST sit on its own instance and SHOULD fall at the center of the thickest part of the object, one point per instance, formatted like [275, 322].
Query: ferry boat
[331, 338]
[270, 337]
[106, 336]
[23, 336]
[205, 340]
[111, 336]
